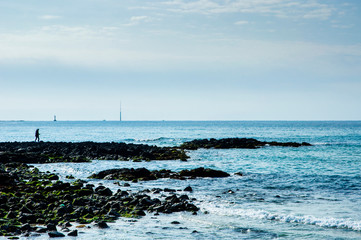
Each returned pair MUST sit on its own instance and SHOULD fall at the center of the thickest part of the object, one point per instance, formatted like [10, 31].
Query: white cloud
[278, 8]
[135, 20]
[322, 13]
[342, 26]
[49, 17]
[118, 48]
[241, 22]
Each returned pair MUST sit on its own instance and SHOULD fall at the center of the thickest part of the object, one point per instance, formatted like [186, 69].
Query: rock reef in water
[33, 198]
[143, 174]
[226, 143]
[46, 152]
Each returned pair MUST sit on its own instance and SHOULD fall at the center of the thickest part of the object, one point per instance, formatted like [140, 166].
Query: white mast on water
[120, 111]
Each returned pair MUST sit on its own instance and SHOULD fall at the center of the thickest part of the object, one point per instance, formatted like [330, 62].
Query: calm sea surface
[285, 193]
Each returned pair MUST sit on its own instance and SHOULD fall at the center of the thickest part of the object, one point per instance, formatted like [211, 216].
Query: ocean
[284, 193]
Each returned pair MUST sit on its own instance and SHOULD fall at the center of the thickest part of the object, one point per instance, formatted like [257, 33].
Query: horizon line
[254, 120]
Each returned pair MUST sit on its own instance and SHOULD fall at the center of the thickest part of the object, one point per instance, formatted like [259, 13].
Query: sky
[180, 59]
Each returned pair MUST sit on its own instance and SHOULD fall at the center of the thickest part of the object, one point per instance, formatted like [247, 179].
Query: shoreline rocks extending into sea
[225, 143]
[47, 152]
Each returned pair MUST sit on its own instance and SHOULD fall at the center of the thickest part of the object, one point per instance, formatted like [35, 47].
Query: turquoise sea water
[285, 193]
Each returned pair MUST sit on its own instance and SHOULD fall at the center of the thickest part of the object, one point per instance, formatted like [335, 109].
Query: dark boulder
[73, 233]
[55, 234]
[131, 174]
[6, 179]
[127, 174]
[103, 191]
[225, 143]
[102, 224]
[51, 227]
[203, 172]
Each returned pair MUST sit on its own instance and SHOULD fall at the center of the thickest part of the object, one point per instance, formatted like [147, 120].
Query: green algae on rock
[34, 199]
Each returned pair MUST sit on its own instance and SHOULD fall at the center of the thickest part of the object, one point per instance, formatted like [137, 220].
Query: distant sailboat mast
[120, 111]
[54, 118]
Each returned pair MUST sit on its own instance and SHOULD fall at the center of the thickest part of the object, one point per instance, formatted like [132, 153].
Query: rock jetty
[47, 152]
[143, 174]
[226, 143]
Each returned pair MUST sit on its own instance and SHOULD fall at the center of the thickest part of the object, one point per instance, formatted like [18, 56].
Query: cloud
[49, 17]
[135, 20]
[277, 8]
[118, 48]
[342, 26]
[321, 13]
[241, 22]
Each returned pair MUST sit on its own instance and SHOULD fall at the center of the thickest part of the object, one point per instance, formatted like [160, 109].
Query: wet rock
[203, 172]
[65, 229]
[73, 233]
[131, 174]
[169, 190]
[127, 174]
[51, 227]
[41, 230]
[11, 214]
[188, 189]
[102, 224]
[53, 177]
[26, 227]
[139, 213]
[55, 234]
[27, 218]
[101, 190]
[6, 179]
[184, 197]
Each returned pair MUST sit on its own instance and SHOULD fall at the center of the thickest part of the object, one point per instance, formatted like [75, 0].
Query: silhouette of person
[37, 135]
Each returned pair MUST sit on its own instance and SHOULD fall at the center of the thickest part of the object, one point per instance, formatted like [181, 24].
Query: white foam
[289, 218]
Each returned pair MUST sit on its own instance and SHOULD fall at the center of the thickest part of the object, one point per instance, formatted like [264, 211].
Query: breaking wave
[290, 218]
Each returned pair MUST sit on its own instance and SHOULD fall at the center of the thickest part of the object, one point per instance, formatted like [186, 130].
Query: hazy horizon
[235, 120]
[180, 60]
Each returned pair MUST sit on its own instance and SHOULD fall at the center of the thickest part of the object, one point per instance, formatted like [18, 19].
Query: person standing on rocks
[37, 135]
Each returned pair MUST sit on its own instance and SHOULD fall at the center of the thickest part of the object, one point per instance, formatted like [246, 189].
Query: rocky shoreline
[47, 152]
[32, 203]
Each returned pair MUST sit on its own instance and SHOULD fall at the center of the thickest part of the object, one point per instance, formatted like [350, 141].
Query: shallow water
[287, 193]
